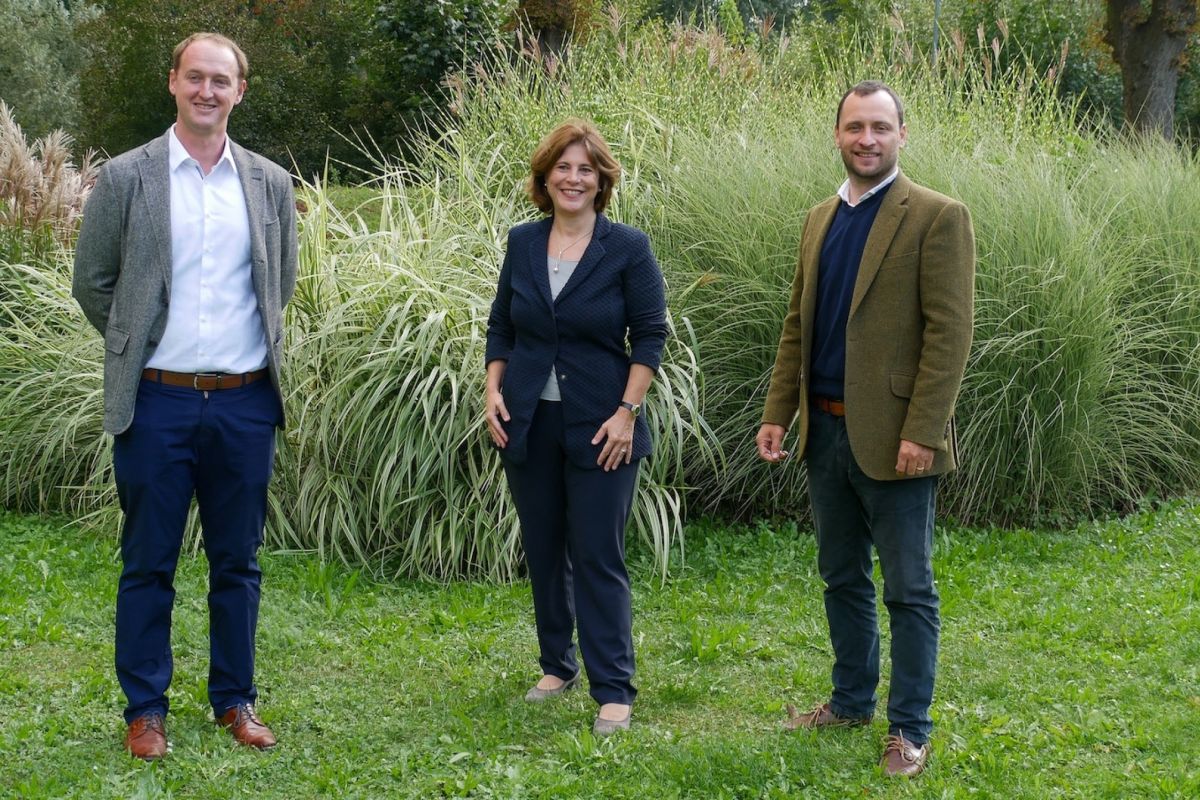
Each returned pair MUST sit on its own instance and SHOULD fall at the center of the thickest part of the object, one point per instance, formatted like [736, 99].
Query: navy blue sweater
[841, 254]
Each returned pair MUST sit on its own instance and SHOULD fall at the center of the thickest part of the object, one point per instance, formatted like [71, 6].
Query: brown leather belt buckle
[214, 376]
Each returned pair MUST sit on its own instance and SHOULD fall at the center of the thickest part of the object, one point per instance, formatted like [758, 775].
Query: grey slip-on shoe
[536, 695]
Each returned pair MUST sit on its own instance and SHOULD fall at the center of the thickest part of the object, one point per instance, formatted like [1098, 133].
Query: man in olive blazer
[185, 261]
[869, 365]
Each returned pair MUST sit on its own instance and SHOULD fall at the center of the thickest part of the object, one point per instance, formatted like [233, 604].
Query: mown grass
[1068, 669]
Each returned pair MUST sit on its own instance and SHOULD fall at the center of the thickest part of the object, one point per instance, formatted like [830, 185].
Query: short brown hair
[550, 149]
[224, 41]
[866, 88]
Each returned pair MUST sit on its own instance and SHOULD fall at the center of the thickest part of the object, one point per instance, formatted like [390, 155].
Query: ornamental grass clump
[1081, 395]
[385, 460]
[42, 192]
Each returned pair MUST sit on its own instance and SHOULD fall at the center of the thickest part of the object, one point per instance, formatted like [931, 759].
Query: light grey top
[560, 272]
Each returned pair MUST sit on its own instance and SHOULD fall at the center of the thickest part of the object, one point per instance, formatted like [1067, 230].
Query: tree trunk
[552, 40]
[1148, 46]
[552, 23]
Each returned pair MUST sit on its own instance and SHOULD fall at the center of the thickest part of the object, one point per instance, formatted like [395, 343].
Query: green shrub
[412, 45]
[304, 74]
[40, 61]
[343, 79]
[1082, 392]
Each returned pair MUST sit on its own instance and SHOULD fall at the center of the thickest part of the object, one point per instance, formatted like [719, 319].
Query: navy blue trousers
[573, 530]
[852, 513]
[220, 447]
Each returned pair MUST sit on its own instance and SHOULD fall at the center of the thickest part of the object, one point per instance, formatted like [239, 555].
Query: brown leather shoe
[820, 717]
[146, 737]
[902, 757]
[247, 728]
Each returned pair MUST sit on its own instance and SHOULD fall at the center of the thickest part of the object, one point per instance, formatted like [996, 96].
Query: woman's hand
[617, 435]
[496, 411]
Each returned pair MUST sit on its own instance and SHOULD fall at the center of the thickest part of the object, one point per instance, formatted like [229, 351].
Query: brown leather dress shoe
[902, 757]
[146, 737]
[247, 728]
[820, 717]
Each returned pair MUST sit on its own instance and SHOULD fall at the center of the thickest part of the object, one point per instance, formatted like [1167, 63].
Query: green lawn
[1069, 668]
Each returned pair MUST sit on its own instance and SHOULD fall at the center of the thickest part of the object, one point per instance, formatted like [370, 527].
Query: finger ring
[621, 451]
[920, 469]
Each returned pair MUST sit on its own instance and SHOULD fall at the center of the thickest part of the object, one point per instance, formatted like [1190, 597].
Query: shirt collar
[844, 190]
[178, 154]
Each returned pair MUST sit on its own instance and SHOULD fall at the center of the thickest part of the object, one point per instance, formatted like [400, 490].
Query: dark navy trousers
[852, 513]
[218, 446]
[573, 530]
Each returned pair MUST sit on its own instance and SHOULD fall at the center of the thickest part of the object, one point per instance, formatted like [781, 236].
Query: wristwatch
[634, 408]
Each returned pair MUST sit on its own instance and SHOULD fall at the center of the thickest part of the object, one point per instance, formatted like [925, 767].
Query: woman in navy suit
[575, 336]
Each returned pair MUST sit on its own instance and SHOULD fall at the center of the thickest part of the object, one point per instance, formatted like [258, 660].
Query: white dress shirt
[844, 190]
[213, 322]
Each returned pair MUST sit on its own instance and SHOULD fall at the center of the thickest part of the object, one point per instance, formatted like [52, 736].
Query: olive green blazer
[908, 334]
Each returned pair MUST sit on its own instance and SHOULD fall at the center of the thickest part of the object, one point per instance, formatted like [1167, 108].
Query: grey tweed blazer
[123, 270]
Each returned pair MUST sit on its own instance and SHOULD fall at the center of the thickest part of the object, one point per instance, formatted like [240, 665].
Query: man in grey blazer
[185, 261]
[869, 364]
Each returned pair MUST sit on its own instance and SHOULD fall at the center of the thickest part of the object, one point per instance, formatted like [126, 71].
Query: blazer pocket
[271, 234]
[899, 260]
[115, 340]
[902, 384]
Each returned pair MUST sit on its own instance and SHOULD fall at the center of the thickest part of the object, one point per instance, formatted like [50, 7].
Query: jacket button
[562, 377]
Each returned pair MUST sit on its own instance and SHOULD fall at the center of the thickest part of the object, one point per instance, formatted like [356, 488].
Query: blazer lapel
[810, 263]
[537, 261]
[155, 172]
[591, 257]
[887, 222]
[253, 187]
[822, 218]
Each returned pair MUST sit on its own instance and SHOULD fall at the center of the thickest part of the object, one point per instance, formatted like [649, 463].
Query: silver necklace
[568, 247]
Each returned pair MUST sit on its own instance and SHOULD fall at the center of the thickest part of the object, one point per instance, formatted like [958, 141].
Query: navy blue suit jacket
[610, 314]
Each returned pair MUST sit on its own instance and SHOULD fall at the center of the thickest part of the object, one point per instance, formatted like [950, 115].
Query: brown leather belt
[835, 407]
[204, 381]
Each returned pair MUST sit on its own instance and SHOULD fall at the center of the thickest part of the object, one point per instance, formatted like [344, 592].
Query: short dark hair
[864, 88]
[550, 149]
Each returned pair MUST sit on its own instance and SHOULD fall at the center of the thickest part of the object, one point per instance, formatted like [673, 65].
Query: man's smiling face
[206, 87]
[869, 134]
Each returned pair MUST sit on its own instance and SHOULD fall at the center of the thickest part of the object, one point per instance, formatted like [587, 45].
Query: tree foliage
[40, 61]
[431, 38]
[328, 78]
[301, 56]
